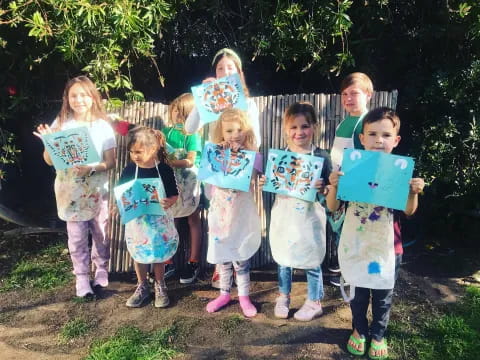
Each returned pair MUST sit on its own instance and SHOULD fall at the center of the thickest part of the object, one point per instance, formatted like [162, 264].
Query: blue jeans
[381, 306]
[314, 282]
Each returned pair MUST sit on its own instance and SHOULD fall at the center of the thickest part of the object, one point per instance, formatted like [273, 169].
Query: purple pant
[78, 242]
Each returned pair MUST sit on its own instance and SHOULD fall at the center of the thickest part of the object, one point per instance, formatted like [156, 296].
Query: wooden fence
[271, 108]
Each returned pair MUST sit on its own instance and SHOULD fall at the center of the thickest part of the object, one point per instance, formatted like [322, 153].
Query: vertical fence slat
[271, 108]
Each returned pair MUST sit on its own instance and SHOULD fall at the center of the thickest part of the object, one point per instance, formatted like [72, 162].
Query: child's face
[299, 132]
[143, 156]
[79, 100]
[380, 136]
[355, 100]
[233, 133]
[225, 67]
[175, 118]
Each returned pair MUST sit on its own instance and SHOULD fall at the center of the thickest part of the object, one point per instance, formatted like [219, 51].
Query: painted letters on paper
[139, 197]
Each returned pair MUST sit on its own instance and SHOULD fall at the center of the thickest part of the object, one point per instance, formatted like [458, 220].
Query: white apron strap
[344, 294]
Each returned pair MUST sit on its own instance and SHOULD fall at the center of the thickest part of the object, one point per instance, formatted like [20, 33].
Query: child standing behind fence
[297, 227]
[151, 239]
[225, 62]
[81, 192]
[368, 230]
[356, 91]
[234, 224]
[186, 158]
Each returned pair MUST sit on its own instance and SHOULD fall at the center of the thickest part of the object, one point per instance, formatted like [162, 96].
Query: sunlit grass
[133, 344]
[454, 335]
[48, 269]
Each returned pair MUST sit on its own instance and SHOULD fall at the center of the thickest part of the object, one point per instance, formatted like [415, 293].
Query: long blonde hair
[97, 111]
[184, 104]
[241, 117]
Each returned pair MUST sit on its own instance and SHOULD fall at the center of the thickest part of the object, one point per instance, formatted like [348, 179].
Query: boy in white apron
[356, 91]
[366, 250]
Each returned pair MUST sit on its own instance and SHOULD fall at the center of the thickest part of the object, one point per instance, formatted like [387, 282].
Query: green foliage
[452, 336]
[75, 328]
[132, 343]
[49, 269]
[104, 37]
[307, 33]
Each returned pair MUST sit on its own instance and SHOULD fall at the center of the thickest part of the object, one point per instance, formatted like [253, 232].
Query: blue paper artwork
[214, 97]
[225, 168]
[292, 174]
[70, 147]
[375, 178]
[139, 197]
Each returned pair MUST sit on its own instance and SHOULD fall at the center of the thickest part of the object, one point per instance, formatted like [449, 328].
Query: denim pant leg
[284, 279]
[359, 306]
[315, 284]
[382, 305]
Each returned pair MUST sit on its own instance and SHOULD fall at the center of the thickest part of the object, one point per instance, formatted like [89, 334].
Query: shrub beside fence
[271, 108]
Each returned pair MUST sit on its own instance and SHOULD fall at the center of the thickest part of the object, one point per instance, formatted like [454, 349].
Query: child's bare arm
[168, 202]
[416, 187]
[188, 162]
[43, 129]
[332, 202]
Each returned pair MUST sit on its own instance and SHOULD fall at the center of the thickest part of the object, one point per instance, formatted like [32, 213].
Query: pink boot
[82, 286]
[248, 309]
[218, 303]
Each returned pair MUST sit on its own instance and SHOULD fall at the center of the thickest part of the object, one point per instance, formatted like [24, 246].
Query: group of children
[297, 229]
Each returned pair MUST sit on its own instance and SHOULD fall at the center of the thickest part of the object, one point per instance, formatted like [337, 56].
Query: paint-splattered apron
[234, 226]
[187, 184]
[297, 232]
[79, 198]
[366, 251]
[152, 238]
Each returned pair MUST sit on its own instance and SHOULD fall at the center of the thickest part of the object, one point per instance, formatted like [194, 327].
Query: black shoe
[189, 273]
[335, 281]
[169, 271]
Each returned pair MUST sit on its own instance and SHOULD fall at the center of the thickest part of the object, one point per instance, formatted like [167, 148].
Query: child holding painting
[151, 239]
[225, 62]
[297, 227]
[81, 192]
[186, 157]
[234, 224]
[368, 230]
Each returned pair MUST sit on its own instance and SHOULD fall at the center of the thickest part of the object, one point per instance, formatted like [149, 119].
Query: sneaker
[309, 310]
[82, 286]
[282, 307]
[101, 278]
[216, 279]
[169, 271]
[334, 267]
[161, 296]
[189, 273]
[142, 292]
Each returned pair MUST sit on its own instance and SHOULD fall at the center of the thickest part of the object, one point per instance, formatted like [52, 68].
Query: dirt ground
[30, 324]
